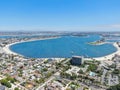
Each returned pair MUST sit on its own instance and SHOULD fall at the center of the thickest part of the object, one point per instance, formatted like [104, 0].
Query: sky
[60, 15]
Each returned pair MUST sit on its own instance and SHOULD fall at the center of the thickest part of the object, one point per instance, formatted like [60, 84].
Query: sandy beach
[7, 50]
[110, 56]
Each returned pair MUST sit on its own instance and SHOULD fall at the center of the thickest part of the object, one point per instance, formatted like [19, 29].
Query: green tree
[41, 80]
[6, 83]
[44, 69]
[116, 87]
[73, 76]
[16, 88]
[12, 80]
[48, 74]
[116, 71]
[92, 67]
[80, 71]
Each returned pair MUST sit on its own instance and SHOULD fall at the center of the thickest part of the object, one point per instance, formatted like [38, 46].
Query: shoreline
[110, 56]
[7, 49]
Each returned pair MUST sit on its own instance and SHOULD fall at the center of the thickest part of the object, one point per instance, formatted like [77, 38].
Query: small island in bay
[98, 42]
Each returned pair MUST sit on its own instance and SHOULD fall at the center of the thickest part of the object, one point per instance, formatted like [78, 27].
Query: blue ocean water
[63, 47]
[6, 36]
